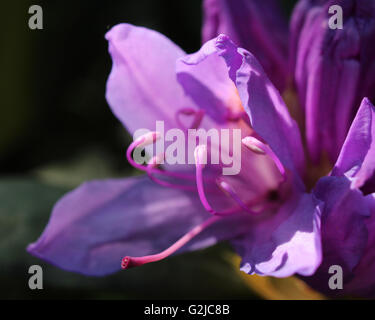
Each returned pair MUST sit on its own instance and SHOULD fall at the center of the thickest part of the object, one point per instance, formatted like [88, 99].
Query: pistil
[129, 262]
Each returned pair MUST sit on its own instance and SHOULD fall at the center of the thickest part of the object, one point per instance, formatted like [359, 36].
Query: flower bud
[334, 69]
[255, 25]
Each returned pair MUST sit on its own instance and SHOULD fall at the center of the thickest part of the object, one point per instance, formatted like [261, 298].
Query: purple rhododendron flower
[137, 217]
[277, 225]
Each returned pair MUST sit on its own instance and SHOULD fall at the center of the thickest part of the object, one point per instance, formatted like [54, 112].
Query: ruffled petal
[286, 243]
[363, 282]
[142, 86]
[93, 227]
[258, 26]
[344, 231]
[357, 158]
[268, 114]
[204, 77]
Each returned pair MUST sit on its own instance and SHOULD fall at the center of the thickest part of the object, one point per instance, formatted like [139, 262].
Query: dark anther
[273, 195]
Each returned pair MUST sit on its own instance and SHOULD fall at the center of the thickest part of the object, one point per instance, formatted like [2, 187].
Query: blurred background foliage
[57, 131]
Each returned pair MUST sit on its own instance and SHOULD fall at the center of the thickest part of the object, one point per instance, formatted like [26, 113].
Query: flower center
[196, 183]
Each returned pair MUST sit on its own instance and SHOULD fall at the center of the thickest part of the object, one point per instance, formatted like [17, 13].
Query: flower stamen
[143, 141]
[227, 189]
[258, 147]
[152, 168]
[129, 262]
[200, 154]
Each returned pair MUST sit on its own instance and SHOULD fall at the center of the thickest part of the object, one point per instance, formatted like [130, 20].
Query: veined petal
[357, 157]
[287, 243]
[328, 110]
[301, 13]
[204, 77]
[258, 26]
[142, 86]
[268, 114]
[93, 227]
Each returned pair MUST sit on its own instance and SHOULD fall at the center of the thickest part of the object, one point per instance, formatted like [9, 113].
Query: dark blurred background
[57, 131]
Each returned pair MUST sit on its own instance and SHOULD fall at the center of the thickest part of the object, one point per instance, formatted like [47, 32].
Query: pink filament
[151, 169]
[129, 262]
[229, 190]
[129, 157]
[276, 160]
[252, 141]
[202, 195]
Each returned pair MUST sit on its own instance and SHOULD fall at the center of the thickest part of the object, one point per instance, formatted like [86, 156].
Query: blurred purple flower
[258, 26]
[329, 62]
[274, 224]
